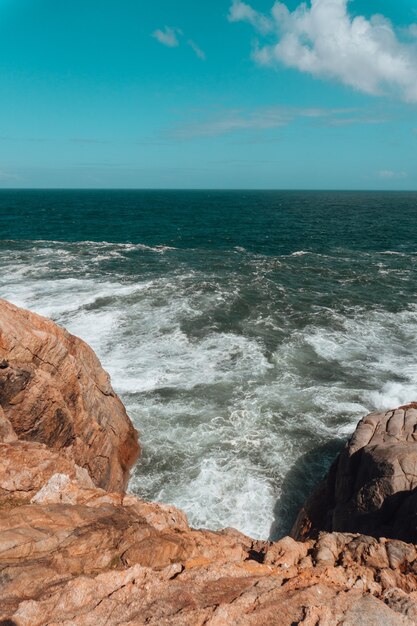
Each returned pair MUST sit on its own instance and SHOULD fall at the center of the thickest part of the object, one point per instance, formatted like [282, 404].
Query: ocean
[246, 331]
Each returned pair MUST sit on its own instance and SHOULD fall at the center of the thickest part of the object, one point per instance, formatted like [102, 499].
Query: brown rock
[53, 390]
[26, 466]
[79, 555]
[372, 486]
[7, 434]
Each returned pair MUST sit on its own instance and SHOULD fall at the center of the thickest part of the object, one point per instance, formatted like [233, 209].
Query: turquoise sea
[246, 331]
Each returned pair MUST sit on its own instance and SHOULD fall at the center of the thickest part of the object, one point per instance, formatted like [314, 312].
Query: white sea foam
[231, 491]
[228, 394]
[375, 347]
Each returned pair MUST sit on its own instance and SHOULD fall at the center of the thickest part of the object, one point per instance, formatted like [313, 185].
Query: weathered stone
[54, 391]
[372, 486]
[75, 554]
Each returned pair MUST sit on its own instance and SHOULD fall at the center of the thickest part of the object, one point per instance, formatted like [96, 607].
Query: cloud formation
[412, 30]
[168, 36]
[171, 37]
[324, 40]
[391, 175]
[235, 120]
[199, 52]
[242, 12]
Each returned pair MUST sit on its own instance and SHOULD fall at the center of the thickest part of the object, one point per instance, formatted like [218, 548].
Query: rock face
[53, 390]
[372, 486]
[97, 559]
[75, 554]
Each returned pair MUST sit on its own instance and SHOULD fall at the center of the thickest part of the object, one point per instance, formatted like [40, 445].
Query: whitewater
[243, 369]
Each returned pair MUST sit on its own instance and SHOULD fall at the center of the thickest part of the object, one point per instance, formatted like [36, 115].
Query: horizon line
[214, 189]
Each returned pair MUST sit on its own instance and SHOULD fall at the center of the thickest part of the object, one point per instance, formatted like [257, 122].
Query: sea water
[246, 332]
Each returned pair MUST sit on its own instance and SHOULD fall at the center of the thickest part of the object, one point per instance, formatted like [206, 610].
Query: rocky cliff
[54, 391]
[76, 550]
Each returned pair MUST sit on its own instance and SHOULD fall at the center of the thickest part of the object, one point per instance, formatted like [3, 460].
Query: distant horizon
[213, 189]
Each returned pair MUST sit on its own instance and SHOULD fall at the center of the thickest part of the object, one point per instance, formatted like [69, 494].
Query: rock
[104, 562]
[25, 468]
[54, 391]
[7, 433]
[372, 486]
[75, 550]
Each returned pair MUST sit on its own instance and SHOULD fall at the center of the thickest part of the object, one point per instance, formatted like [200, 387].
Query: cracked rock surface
[372, 486]
[54, 391]
[76, 550]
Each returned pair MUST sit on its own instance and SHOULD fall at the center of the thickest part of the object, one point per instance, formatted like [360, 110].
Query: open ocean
[245, 331]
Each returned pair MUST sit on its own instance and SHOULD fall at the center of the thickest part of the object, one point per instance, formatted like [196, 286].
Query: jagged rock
[85, 565]
[26, 466]
[53, 390]
[75, 554]
[372, 486]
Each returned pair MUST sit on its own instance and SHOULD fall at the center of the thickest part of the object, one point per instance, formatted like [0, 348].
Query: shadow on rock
[301, 480]
[396, 519]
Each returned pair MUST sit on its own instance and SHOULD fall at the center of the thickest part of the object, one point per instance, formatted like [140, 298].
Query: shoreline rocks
[54, 391]
[76, 550]
[371, 487]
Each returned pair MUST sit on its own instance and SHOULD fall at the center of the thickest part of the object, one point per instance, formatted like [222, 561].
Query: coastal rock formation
[53, 390]
[372, 486]
[76, 554]
[81, 556]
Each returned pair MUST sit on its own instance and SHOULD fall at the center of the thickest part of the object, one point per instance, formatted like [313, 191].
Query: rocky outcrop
[372, 486]
[75, 554]
[53, 390]
[81, 556]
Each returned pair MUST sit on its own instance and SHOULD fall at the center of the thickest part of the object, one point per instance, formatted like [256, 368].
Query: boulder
[372, 486]
[54, 391]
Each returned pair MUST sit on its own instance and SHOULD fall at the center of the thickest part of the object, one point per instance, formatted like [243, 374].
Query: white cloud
[240, 11]
[233, 120]
[168, 36]
[324, 40]
[412, 30]
[199, 52]
[391, 175]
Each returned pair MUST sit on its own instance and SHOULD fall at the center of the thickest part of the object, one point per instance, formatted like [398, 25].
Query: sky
[210, 94]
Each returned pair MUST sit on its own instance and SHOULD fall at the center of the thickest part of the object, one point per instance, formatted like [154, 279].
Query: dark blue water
[265, 222]
[246, 332]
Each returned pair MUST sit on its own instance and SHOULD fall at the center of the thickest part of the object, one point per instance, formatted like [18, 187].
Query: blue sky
[219, 94]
